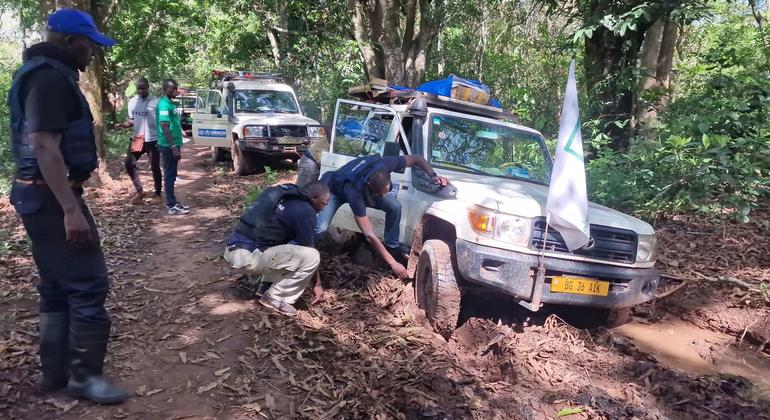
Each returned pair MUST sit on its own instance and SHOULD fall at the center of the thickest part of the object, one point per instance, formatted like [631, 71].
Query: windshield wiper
[459, 165]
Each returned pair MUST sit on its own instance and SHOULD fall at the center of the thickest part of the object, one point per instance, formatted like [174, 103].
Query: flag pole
[537, 288]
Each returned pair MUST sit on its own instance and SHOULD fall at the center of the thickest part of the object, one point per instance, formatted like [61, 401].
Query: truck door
[359, 129]
[211, 126]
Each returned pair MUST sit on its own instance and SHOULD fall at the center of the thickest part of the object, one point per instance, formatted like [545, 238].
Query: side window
[214, 99]
[200, 103]
[361, 130]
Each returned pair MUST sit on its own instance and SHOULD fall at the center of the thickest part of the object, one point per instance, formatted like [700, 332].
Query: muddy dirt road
[191, 343]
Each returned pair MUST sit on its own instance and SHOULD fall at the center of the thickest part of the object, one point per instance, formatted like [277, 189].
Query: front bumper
[270, 147]
[513, 274]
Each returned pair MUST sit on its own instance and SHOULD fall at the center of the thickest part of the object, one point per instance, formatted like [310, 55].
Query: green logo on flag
[568, 147]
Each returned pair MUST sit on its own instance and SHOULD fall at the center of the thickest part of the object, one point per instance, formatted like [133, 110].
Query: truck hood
[269, 118]
[528, 200]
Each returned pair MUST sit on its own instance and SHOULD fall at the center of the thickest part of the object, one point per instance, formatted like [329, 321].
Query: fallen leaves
[214, 384]
[143, 392]
[62, 406]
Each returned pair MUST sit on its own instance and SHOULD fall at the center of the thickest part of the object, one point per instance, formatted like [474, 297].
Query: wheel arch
[431, 226]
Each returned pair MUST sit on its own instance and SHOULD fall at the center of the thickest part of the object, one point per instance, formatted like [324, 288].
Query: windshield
[488, 149]
[265, 101]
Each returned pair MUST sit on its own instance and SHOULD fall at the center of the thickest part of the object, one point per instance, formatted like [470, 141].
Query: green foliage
[7, 65]
[708, 152]
[269, 178]
[711, 152]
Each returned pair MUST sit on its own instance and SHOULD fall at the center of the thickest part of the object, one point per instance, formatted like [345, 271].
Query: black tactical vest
[78, 145]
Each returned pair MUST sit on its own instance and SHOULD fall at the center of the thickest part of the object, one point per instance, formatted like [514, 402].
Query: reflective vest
[78, 145]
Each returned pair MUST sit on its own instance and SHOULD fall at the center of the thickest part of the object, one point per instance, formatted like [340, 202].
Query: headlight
[646, 250]
[513, 229]
[316, 131]
[255, 131]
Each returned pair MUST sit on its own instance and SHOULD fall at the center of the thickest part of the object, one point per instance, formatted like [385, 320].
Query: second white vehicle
[254, 117]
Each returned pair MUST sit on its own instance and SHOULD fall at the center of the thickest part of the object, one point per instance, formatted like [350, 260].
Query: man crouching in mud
[274, 238]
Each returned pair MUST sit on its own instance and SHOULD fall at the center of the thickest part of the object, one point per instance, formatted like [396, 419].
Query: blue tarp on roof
[443, 87]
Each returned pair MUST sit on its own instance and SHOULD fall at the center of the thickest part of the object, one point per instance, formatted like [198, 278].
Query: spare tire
[436, 289]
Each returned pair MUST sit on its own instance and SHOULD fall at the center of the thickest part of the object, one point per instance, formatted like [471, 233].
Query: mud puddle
[694, 350]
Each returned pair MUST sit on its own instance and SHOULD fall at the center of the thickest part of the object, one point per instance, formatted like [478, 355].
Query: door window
[361, 130]
[200, 103]
[214, 98]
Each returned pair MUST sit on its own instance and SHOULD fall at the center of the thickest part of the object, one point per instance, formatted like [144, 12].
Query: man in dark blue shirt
[365, 182]
[275, 239]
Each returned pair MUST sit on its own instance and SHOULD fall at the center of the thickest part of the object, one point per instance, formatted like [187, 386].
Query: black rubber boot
[88, 346]
[54, 348]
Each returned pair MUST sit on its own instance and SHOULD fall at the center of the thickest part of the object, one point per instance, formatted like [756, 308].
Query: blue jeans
[389, 204]
[170, 164]
[308, 171]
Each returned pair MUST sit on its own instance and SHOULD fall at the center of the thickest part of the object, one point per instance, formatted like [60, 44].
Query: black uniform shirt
[50, 102]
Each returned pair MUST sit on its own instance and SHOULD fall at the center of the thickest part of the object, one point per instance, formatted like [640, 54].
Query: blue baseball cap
[77, 22]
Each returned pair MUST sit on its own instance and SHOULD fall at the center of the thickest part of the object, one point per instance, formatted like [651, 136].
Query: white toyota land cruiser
[255, 117]
[484, 232]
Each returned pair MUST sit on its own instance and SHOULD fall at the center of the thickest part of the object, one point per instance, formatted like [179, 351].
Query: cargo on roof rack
[377, 93]
[225, 75]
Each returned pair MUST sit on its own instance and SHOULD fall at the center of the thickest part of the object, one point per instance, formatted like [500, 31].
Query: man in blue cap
[54, 149]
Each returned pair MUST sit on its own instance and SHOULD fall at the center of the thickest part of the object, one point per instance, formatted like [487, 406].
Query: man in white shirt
[141, 116]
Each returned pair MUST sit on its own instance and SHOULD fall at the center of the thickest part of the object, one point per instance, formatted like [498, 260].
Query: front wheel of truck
[436, 289]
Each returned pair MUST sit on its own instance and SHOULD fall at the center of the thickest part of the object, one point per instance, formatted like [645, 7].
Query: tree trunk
[91, 85]
[390, 49]
[645, 114]
[274, 47]
[390, 42]
[361, 34]
[608, 61]
[440, 54]
[666, 55]
[650, 53]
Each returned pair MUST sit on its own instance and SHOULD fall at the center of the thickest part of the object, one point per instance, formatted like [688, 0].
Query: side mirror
[391, 149]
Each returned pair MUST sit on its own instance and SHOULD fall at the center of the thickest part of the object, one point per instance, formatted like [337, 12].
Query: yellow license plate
[579, 286]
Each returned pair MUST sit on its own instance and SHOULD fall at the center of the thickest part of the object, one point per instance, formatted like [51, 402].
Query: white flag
[567, 206]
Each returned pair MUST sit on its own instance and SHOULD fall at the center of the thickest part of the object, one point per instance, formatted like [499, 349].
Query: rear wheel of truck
[218, 154]
[436, 289]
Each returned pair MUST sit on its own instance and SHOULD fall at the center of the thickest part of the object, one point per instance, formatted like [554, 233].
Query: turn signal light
[481, 221]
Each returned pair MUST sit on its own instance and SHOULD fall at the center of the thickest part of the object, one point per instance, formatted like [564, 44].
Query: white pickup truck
[484, 232]
[255, 117]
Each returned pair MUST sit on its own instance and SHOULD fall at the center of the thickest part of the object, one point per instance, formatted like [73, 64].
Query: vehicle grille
[610, 244]
[288, 131]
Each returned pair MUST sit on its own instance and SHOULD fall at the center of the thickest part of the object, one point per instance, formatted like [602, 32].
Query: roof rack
[244, 75]
[377, 93]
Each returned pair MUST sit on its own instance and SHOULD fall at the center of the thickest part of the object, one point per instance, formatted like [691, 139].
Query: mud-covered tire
[436, 289]
[240, 162]
[218, 154]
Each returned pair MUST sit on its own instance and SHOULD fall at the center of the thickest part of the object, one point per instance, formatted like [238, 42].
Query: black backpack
[261, 211]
